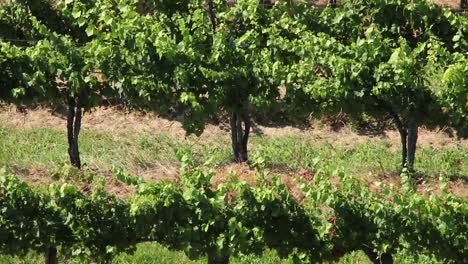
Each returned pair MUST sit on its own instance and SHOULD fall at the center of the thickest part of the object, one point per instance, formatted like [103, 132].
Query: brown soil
[160, 172]
[122, 122]
[107, 119]
[41, 177]
[424, 185]
[454, 4]
[291, 179]
[243, 172]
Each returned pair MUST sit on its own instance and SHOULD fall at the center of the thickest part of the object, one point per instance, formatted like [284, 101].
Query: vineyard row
[232, 219]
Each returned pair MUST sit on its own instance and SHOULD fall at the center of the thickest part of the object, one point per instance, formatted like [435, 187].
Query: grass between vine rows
[35, 146]
[146, 146]
[152, 253]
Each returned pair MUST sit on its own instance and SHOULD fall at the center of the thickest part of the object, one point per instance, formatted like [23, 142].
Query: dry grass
[121, 124]
[453, 4]
[291, 179]
[107, 119]
[40, 178]
[241, 172]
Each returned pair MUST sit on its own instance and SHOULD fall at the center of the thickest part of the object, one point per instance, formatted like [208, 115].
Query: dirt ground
[108, 119]
[453, 4]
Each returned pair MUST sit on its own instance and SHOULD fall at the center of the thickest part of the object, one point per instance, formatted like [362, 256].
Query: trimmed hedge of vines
[233, 219]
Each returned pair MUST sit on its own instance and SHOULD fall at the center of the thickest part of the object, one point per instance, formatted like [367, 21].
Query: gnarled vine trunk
[240, 130]
[376, 259]
[73, 129]
[51, 255]
[215, 259]
[409, 138]
[404, 146]
[332, 3]
[211, 12]
[412, 141]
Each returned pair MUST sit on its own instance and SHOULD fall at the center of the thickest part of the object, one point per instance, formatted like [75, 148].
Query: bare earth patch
[119, 122]
[424, 185]
[160, 172]
[108, 119]
[238, 172]
[453, 4]
[40, 177]
[290, 179]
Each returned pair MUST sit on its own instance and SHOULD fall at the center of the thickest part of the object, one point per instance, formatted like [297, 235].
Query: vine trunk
[73, 129]
[51, 255]
[240, 130]
[215, 259]
[409, 139]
